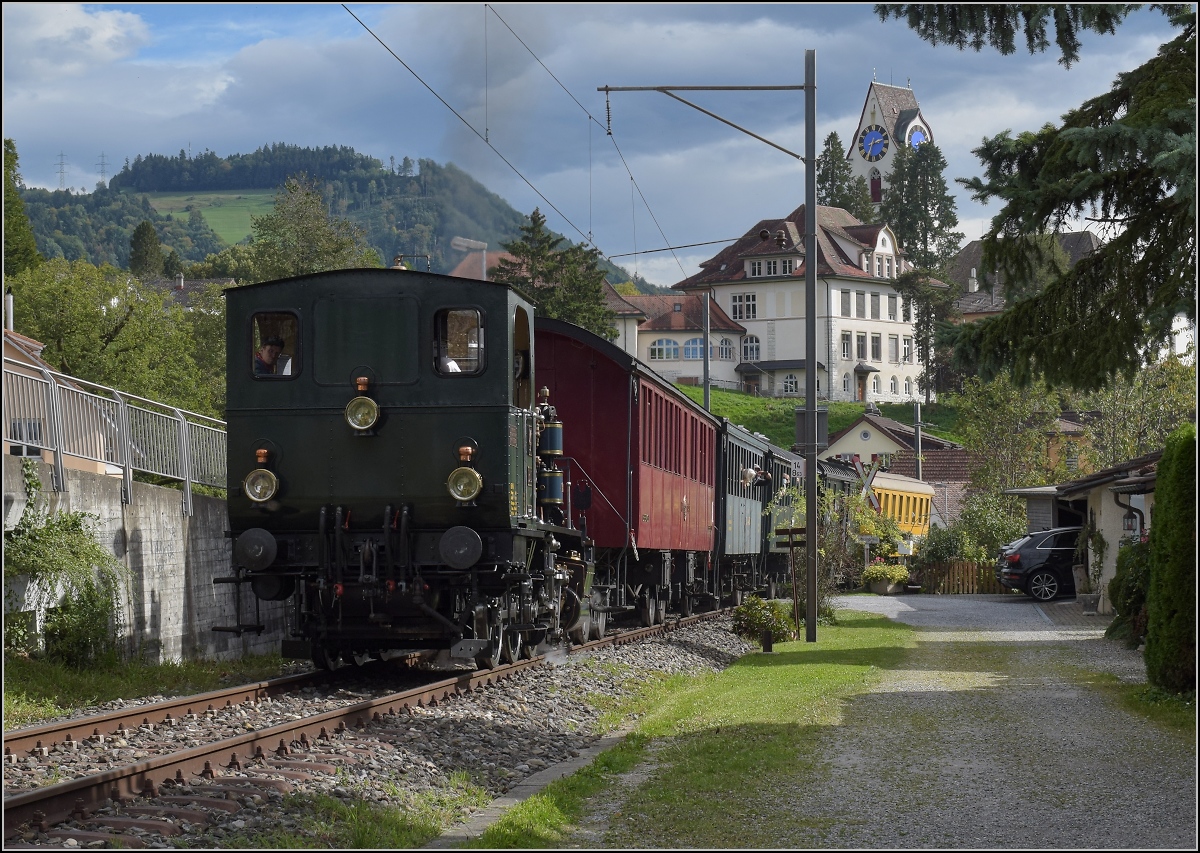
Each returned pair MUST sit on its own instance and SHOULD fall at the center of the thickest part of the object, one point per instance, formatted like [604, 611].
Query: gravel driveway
[988, 738]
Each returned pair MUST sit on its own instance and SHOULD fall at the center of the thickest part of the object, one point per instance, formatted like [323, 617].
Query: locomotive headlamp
[362, 413]
[260, 485]
[464, 484]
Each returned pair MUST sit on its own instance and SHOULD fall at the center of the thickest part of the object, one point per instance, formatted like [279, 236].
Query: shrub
[754, 615]
[74, 579]
[1127, 592]
[1171, 600]
[884, 573]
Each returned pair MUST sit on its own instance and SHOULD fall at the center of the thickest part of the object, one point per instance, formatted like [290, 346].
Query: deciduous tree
[102, 325]
[1126, 160]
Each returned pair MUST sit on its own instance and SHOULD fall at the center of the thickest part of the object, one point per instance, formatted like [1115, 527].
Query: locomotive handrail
[75, 418]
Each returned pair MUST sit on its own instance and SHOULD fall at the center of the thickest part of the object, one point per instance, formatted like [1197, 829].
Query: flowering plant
[881, 571]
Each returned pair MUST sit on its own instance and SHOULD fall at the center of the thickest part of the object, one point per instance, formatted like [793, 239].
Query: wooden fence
[958, 577]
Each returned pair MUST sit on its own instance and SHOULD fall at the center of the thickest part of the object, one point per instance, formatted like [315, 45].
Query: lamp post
[465, 245]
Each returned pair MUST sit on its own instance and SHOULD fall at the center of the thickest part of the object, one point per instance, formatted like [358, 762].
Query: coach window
[274, 345]
[458, 345]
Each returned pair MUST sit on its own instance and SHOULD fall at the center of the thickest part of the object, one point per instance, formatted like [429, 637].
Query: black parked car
[1039, 564]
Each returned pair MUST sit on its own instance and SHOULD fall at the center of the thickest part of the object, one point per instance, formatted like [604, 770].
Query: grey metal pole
[707, 344]
[810, 373]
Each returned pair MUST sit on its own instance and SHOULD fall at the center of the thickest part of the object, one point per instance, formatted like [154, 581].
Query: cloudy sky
[508, 93]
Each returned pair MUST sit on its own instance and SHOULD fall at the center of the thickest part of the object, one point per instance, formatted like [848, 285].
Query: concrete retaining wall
[171, 602]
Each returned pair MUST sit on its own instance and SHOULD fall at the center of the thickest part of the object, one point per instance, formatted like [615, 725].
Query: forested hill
[406, 207]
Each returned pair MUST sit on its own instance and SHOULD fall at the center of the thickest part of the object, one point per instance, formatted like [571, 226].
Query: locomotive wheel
[686, 606]
[648, 611]
[325, 660]
[599, 625]
[514, 646]
[660, 612]
[492, 654]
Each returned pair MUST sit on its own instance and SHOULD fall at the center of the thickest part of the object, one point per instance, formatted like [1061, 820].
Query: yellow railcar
[907, 500]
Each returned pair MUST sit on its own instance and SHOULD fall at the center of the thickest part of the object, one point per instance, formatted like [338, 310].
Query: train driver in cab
[267, 359]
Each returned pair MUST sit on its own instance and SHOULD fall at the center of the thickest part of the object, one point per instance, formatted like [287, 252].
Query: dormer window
[788, 266]
[756, 268]
[772, 267]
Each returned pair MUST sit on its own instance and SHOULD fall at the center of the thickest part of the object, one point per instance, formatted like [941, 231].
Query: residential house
[865, 333]
[982, 295]
[1112, 504]
[944, 465]
[671, 339]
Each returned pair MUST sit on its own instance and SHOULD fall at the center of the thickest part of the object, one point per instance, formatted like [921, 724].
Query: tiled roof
[728, 265]
[898, 105]
[660, 309]
[180, 288]
[902, 433]
[620, 305]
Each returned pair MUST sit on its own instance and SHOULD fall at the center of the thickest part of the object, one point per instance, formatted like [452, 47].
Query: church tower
[891, 116]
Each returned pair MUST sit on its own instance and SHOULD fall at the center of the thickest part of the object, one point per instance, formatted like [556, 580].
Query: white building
[865, 335]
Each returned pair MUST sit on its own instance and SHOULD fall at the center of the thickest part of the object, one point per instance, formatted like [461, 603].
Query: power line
[482, 138]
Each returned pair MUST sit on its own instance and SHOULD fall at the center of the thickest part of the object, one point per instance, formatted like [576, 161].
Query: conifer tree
[20, 247]
[1126, 160]
[565, 283]
[145, 252]
[838, 186]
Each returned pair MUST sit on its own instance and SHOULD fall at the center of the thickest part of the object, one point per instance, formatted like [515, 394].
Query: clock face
[873, 142]
[916, 138]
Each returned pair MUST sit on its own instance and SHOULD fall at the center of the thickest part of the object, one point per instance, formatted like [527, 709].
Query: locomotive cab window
[458, 345]
[274, 345]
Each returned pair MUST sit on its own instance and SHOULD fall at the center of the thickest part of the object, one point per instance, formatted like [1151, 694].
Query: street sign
[869, 540]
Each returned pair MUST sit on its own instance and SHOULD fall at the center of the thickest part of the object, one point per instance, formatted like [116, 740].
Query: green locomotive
[392, 473]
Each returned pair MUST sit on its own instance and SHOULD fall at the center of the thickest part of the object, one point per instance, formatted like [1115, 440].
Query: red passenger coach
[641, 459]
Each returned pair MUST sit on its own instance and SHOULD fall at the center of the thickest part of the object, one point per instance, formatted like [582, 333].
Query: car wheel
[1043, 586]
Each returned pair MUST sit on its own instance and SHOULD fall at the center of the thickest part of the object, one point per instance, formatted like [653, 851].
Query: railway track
[236, 752]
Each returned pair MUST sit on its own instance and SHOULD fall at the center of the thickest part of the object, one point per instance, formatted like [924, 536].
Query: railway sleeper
[85, 837]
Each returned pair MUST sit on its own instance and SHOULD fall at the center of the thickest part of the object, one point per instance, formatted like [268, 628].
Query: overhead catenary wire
[484, 137]
[459, 116]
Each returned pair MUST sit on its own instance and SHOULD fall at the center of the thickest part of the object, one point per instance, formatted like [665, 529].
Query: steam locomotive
[416, 462]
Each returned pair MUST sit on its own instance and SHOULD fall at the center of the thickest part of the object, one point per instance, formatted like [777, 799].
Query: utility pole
[62, 170]
[810, 284]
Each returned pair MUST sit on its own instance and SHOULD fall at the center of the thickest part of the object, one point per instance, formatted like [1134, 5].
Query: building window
[874, 306]
[846, 304]
[694, 348]
[664, 349]
[744, 306]
[791, 385]
[891, 306]
[846, 382]
[888, 265]
[906, 351]
[875, 384]
[876, 181]
[879, 266]
[907, 386]
[860, 304]
[894, 385]
[726, 349]
[861, 348]
[876, 347]
[756, 268]
[772, 267]
[846, 346]
[750, 348]
[893, 348]
[789, 266]
[908, 311]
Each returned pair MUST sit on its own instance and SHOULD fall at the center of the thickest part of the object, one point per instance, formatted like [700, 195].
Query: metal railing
[71, 417]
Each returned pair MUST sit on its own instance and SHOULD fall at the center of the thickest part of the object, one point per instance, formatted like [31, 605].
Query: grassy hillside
[776, 418]
[227, 212]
